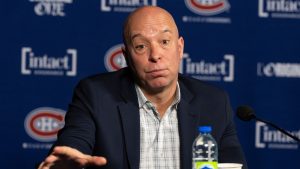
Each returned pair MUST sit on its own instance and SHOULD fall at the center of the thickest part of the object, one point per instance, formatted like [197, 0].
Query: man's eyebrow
[138, 34]
[166, 30]
[135, 35]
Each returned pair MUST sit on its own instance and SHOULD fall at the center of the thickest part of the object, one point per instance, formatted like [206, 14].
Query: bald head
[153, 50]
[141, 20]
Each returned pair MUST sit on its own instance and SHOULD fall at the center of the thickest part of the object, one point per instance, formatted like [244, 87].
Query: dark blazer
[103, 119]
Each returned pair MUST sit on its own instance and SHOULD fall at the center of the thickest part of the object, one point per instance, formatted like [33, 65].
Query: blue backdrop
[250, 48]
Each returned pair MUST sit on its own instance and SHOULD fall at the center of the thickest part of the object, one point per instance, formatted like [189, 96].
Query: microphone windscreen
[245, 113]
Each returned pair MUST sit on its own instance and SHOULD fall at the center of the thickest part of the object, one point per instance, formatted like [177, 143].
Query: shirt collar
[142, 100]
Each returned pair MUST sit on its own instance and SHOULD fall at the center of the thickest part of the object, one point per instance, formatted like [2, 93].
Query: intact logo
[42, 124]
[114, 58]
[273, 139]
[207, 7]
[124, 5]
[44, 64]
[279, 9]
[207, 70]
[50, 7]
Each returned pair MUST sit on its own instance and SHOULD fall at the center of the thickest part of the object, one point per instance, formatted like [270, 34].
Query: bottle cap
[204, 129]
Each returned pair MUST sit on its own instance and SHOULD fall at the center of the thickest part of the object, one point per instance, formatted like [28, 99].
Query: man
[144, 116]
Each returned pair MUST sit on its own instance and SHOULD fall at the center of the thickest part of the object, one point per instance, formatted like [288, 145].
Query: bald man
[144, 116]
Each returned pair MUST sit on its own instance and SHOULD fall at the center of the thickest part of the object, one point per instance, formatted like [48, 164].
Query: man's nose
[154, 53]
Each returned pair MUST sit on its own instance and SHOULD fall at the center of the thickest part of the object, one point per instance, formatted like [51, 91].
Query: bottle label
[206, 165]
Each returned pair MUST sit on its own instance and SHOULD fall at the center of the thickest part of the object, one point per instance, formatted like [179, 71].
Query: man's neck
[162, 100]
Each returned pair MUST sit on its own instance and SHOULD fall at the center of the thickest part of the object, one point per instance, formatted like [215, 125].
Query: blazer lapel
[129, 113]
[187, 121]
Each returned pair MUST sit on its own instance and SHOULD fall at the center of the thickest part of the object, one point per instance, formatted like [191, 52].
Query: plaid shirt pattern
[159, 137]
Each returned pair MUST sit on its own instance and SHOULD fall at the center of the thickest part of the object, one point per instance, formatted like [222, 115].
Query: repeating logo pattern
[124, 6]
[48, 65]
[208, 11]
[279, 9]
[42, 124]
[207, 7]
[206, 70]
[50, 7]
[273, 139]
[278, 69]
[114, 58]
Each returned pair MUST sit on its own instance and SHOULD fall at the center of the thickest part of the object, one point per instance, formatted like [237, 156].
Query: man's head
[153, 48]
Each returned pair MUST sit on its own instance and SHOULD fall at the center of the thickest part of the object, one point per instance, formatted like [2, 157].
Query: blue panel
[250, 48]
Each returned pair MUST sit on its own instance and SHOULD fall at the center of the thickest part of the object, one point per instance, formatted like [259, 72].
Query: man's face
[154, 50]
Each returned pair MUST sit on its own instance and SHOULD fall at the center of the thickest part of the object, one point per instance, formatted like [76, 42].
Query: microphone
[246, 113]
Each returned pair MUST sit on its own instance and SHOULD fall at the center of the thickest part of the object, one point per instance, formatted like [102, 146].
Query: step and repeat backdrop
[250, 48]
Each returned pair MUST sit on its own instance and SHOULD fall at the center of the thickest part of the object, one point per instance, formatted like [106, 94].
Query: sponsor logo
[279, 70]
[212, 71]
[207, 9]
[279, 9]
[50, 7]
[48, 65]
[124, 5]
[273, 139]
[114, 58]
[42, 124]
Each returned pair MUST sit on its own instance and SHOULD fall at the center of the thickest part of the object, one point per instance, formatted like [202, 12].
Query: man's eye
[165, 42]
[139, 47]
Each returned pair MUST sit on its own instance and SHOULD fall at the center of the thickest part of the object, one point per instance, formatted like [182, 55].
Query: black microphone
[246, 113]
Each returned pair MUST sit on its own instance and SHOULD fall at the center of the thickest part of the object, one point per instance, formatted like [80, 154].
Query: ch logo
[42, 124]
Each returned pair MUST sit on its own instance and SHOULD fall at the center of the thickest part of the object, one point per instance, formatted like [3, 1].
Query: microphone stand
[278, 128]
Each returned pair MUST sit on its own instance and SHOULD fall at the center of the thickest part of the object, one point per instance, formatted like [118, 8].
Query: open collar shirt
[159, 137]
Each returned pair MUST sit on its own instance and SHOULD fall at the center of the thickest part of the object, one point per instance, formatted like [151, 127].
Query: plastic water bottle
[205, 150]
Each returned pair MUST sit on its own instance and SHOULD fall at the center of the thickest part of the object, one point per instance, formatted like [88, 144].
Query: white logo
[48, 65]
[50, 7]
[279, 9]
[281, 70]
[124, 5]
[273, 139]
[212, 71]
[114, 58]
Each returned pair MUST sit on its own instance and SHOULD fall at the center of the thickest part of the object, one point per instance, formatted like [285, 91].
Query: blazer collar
[128, 92]
[129, 113]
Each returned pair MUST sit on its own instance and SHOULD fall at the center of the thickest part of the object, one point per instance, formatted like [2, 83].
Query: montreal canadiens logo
[207, 7]
[114, 58]
[42, 124]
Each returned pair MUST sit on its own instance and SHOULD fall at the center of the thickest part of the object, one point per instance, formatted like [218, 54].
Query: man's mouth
[157, 72]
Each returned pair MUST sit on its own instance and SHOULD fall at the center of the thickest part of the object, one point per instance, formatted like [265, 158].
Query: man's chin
[157, 86]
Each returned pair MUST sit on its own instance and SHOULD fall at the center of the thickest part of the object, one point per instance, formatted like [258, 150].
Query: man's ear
[181, 46]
